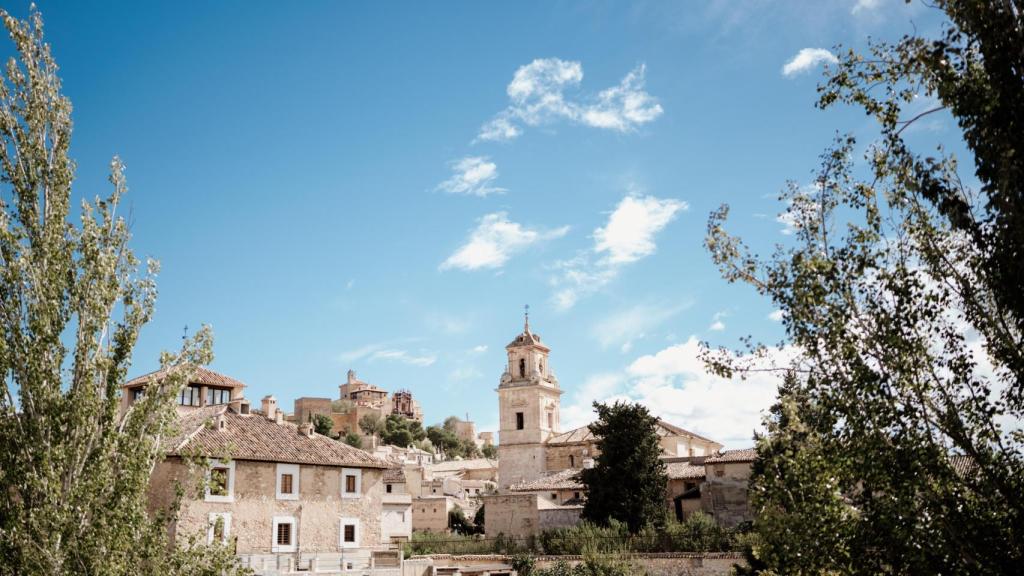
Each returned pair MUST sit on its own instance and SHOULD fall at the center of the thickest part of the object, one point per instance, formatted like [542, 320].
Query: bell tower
[528, 408]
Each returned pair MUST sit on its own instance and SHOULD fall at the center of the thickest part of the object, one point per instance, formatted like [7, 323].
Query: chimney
[269, 406]
[278, 416]
[306, 429]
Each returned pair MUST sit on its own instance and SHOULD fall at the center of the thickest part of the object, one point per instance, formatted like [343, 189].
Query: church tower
[528, 401]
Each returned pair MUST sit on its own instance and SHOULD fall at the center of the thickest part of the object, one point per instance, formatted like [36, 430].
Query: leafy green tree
[489, 451]
[400, 431]
[372, 425]
[903, 292]
[353, 439]
[74, 473]
[322, 424]
[628, 481]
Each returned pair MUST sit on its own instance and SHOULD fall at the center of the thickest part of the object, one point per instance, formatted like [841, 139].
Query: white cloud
[806, 59]
[359, 353]
[865, 6]
[480, 349]
[404, 357]
[788, 221]
[776, 316]
[628, 236]
[537, 95]
[472, 176]
[494, 241]
[624, 327]
[717, 326]
[464, 373]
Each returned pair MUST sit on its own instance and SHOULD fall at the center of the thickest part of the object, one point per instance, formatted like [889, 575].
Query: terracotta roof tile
[583, 434]
[201, 375]
[565, 480]
[254, 437]
[394, 475]
[744, 455]
[684, 471]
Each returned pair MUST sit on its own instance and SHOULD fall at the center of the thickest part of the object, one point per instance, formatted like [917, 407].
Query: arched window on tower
[522, 368]
[542, 366]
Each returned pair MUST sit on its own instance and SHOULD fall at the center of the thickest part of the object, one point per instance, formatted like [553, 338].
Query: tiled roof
[394, 475]
[583, 434]
[962, 465]
[200, 376]
[684, 471]
[254, 437]
[565, 480]
[744, 455]
[527, 338]
[456, 465]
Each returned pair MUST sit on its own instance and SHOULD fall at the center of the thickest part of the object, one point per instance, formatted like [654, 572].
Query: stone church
[537, 462]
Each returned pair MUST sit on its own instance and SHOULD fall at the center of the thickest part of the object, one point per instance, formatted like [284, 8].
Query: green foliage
[628, 481]
[342, 406]
[354, 440]
[479, 518]
[322, 424]
[400, 431]
[372, 425]
[894, 449]
[523, 564]
[445, 438]
[74, 474]
[459, 524]
[489, 451]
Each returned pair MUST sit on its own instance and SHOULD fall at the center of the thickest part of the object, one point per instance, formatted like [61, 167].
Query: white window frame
[292, 469]
[230, 496]
[341, 533]
[359, 482]
[278, 520]
[214, 516]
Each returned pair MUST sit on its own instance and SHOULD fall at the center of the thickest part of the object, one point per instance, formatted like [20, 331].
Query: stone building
[396, 514]
[403, 405]
[724, 493]
[282, 496]
[538, 463]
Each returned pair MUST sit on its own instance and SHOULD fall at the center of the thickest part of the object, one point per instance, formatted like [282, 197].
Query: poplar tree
[74, 474]
[897, 447]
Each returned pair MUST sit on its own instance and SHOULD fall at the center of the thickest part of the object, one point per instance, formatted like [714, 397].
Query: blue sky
[383, 186]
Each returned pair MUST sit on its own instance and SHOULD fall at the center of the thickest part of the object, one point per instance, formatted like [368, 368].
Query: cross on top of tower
[526, 323]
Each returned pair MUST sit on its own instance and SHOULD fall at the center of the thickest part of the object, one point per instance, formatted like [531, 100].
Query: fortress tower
[528, 401]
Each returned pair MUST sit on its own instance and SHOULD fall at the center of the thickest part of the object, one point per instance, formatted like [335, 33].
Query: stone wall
[562, 456]
[560, 517]
[519, 463]
[430, 514]
[317, 511]
[513, 515]
[724, 493]
[670, 564]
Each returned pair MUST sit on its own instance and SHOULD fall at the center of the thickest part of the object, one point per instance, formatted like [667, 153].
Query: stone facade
[430, 513]
[511, 514]
[725, 492]
[249, 516]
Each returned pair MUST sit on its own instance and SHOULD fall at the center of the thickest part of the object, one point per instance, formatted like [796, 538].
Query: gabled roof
[254, 437]
[565, 480]
[527, 338]
[663, 428]
[457, 465]
[201, 375]
[744, 455]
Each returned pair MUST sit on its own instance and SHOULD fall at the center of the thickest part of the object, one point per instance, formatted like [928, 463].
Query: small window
[189, 396]
[220, 528]
[287, 481]
[137, 394]
[220, 482]
[349, 532]
[351, 480]
[576, 495]
[520, 424]
[285, 535]
[215, 396]
[387, 488]
[572, 461]
[522, 368]
[554, 497]
[551, 421]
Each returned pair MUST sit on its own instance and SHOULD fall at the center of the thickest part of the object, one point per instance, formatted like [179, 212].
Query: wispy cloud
[716, 322]
[624, 327]
[480, 348]
[403, 357]
[863, 6]
[806, 59]
[472, 176]
[538, 95]
[627, 237]
[494, 240]
[776, 316]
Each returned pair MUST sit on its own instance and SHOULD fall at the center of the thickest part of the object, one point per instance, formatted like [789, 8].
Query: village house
[396, 511]
[283, 497]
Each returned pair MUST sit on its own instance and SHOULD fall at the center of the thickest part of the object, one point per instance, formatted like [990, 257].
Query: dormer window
[189, 396]
[215, 396]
